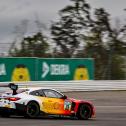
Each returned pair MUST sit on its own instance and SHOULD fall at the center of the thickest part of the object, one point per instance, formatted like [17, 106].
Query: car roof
[35, 88]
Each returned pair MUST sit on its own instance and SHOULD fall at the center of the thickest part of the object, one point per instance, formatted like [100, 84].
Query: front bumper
[93, 112]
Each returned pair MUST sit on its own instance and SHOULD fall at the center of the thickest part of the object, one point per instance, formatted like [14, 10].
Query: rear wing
[12, 86]
[3, 88]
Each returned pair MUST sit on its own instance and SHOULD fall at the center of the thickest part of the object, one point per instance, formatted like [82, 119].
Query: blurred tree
[32, 46]
[68, 30]
[103, 43]
[117, 69]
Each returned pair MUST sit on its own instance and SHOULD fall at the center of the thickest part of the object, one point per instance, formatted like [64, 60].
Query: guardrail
[65, 86]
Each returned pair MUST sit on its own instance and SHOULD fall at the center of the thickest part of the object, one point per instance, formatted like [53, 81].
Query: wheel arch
[33, 101]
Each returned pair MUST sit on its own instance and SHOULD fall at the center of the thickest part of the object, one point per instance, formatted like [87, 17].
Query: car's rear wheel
[84, 112]
[32, 110]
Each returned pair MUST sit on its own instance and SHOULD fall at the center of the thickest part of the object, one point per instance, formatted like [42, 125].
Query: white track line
[110, 106]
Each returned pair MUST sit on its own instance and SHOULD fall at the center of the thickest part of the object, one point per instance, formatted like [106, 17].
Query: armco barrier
[73, 85]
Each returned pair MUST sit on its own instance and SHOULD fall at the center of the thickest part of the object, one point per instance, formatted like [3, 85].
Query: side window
[37, 93]
[52, 93]
[49, 94]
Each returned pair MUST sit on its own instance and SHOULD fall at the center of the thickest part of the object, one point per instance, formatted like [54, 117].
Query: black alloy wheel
[84, 112]
[32, 110]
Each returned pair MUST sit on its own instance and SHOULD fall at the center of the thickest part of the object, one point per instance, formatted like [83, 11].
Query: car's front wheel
[32, 110]
[84, 112]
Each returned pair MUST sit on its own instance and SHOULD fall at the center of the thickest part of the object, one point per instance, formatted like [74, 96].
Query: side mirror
[64, 97]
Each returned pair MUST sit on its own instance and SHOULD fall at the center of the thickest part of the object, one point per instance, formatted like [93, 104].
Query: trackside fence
[65, 86]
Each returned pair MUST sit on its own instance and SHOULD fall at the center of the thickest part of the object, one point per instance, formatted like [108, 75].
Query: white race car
[33, 102]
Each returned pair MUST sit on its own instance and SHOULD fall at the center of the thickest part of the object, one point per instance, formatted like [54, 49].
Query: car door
[54, 103]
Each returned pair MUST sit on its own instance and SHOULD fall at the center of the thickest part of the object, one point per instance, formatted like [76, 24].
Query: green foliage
[103, 43]
[117, 69]
[32, 46]
[67, 31]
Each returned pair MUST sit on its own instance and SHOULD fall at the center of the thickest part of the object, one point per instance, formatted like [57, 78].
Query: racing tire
[84, 112]
[32, 110]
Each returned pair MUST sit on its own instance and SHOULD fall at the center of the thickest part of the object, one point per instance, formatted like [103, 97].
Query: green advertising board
[17, 69]
[65, 69]
[40, 69]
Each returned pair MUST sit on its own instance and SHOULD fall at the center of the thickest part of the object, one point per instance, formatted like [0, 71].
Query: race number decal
[67, 105]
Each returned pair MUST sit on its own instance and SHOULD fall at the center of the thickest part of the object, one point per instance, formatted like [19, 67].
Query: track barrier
[65, 86]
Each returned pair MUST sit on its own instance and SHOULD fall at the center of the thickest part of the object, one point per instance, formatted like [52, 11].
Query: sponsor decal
[20, 73]
[2, 69]
[81, 73]
[55, 69]
[67, 105]
[50, 106]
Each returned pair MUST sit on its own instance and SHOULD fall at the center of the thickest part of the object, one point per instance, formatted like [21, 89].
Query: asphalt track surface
[110, 111]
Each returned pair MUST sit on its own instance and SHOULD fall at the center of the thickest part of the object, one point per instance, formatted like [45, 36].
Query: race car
[34, 102]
